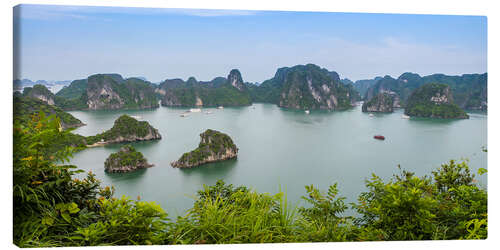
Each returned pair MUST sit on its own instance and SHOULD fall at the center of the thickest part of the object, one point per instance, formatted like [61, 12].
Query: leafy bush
[53, 209]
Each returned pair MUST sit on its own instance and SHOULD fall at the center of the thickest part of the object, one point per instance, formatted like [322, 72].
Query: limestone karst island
[141, 126]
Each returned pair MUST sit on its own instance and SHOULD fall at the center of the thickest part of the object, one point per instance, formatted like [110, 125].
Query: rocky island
[125, 160]
[107, 92]
[382, 102]
[469, 90]
[220, 91]
[434, 100]
[125, 129]
[214, 146]
[306, 87]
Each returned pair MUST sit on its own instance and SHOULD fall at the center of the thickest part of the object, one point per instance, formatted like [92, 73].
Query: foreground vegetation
[52, 208]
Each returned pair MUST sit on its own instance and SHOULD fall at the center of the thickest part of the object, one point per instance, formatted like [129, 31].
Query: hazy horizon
[55, 42]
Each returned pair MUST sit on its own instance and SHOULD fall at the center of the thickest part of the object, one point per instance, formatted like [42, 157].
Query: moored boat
[405, 117]
[307, 111]
[195, 110]
[370, 115]
[379, 137]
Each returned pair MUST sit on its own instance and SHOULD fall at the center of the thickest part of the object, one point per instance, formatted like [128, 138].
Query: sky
[72, 42]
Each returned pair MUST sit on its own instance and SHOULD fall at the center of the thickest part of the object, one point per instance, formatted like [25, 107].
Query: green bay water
[283, 149]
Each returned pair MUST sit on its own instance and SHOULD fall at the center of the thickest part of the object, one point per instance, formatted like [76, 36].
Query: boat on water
[185, 114]
[371, 115]
[220, 107]
[195, 110]
[405, 117]
[379, 137]
[307, 111]
[208, 112]
[136, 117]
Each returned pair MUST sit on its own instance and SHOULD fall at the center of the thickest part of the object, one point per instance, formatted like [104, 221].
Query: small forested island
[125, 129]
[382, 102]
[434, 100]
[214, 146]
[125, 160]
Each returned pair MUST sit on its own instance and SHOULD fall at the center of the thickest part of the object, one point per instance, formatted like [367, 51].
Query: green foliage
[294, 88]
[127, 156]
[227, 215]
[469, 90]
[323, 220]
[212, 94]
[125, 126]
[382, 101]
[53, 209]
[213, 143]
[401, 209]
[25, 107]
[124, 222]
[419, 103]
[75, 90]
[410, 208]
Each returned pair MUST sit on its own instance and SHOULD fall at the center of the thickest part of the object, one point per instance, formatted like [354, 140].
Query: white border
[478, 7]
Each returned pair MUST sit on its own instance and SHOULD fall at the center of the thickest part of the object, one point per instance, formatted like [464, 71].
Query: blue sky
[72, 42]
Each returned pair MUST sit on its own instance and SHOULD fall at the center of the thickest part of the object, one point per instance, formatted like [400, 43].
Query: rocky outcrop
[214, 146]
[101, 94]
[220, 91]
[108, 91]
[125, 160]
[41, 93]
[435, 101]
[311, 87]
[470, 90]
[125, 129]
[234, 78]
[383, 102]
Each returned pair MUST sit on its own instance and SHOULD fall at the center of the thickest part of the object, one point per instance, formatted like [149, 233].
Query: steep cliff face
[126, 129]
[41, 93]
[434, 100]
[234, 78]
[214, 146]
[306, 87]
[311, 87]
[101, 93]
[382, 102]
[107, 91]
[125, 160]
[230, 91]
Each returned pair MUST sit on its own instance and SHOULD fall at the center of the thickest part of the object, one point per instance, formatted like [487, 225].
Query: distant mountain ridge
[469, 90]
[109, 91]
[297, 87]
[230, 91]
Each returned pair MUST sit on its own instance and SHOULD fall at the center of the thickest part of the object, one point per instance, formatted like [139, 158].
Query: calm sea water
[284, 149]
